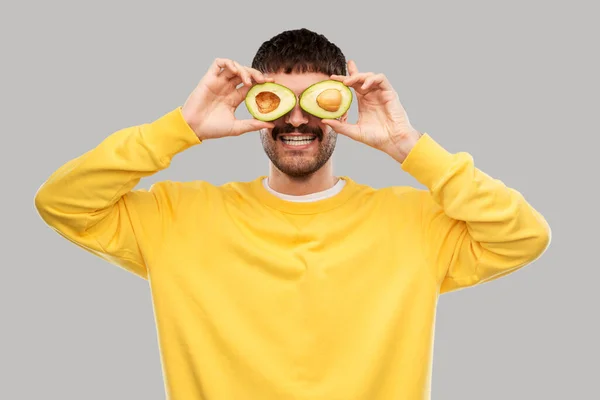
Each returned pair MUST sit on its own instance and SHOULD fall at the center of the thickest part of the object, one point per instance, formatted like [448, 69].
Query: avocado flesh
[326, 99]
[269, 101]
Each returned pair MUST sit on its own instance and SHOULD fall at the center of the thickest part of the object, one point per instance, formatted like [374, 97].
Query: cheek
[325, 128]
[314, 121]
[266, 135]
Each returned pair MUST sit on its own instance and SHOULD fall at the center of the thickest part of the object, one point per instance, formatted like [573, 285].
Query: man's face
[293, 157]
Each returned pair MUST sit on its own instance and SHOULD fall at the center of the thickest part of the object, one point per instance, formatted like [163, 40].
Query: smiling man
[299, 284]
[300, 145]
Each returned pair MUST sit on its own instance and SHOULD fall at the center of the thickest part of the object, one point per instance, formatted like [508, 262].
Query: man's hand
[382, 121]
[210, 108]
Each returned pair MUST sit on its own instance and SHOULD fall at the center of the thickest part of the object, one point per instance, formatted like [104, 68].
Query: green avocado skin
[307, 100]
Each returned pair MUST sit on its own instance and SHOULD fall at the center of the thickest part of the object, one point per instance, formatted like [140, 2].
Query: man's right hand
[210, 108]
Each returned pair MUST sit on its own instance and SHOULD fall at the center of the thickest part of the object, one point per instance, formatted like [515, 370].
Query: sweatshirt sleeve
[475, 228]
[91, 200]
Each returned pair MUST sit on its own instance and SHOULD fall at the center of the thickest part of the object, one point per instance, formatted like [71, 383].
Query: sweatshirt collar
[294, 207]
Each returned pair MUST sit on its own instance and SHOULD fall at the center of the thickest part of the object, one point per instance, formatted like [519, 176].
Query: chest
[333, 252]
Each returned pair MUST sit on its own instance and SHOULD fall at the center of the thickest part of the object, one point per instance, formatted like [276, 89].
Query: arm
[475, 228]
[90, 200]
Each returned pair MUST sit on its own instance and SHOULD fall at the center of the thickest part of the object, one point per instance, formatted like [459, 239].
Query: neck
[322, 179]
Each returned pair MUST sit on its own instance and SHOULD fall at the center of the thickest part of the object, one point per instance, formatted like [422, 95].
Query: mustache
[289, 128]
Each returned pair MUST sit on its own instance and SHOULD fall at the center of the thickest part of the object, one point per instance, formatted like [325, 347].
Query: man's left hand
[382, 121]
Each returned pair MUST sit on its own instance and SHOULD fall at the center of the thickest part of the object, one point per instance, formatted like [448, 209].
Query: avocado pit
[330, 99]
[267, 102]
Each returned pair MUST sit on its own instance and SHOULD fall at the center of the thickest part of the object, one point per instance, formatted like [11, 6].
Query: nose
[296, 117]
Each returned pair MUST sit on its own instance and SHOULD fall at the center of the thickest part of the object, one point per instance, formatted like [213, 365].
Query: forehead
[298, 82]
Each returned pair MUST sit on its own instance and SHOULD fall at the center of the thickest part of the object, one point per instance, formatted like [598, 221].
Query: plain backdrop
[514, 83]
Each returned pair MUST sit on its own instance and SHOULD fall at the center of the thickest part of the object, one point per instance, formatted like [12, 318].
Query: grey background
[514, 83]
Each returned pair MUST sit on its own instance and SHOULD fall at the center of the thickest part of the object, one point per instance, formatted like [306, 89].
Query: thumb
[346, 129]
[241, 126]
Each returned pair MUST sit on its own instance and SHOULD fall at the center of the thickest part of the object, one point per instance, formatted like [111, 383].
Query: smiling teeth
[297, 142]
[297, 138]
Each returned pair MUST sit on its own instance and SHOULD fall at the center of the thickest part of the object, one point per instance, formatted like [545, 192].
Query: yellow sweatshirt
[260, 298]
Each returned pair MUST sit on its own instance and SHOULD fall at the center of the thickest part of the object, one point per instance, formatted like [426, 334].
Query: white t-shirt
[309, 197]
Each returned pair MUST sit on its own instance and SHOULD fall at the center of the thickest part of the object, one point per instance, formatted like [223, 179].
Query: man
[299, 284]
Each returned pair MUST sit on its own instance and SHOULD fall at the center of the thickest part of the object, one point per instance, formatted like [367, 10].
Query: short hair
[299, 50]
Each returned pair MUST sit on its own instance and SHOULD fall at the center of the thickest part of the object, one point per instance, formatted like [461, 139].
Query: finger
[236, 81]
[357, 78]
[258, 76]
[376, 80]
[226, 68]
[217, 65]
[352, 69]
[244, 74]
[346, 129]
[248, 125]
[340, 78]
[250, 75]
[242, 91]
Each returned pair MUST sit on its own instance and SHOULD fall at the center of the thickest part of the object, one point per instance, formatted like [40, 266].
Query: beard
[300, 163]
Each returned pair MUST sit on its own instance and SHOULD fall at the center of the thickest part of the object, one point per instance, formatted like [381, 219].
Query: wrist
[404, 145]
[191, 120]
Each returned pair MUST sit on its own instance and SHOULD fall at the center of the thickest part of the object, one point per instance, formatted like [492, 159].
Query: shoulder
[391, 193]
[395, 205]
[182, 191]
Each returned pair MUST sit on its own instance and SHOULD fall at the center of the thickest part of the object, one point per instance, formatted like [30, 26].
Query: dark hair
[299, 50]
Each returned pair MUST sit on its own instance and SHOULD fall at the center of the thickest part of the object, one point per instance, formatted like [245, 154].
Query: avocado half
[326, 99]
[269, 101]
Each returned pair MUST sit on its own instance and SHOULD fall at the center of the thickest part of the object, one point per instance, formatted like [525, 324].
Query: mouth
[297, 141]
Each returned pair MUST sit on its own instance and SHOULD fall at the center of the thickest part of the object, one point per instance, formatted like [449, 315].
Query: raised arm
[475, 228]
[91, 200]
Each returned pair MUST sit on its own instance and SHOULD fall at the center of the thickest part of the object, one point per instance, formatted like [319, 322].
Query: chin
[298, 160]
[298, 166]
